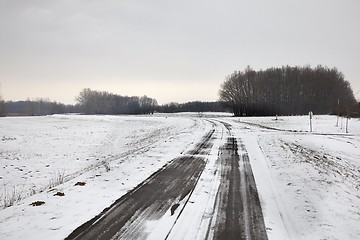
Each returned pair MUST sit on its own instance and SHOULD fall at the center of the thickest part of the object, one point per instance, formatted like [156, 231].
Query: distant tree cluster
[101, 102]
[2, 104]
[2, 107]
[196, 106]
[36, 107]
[287, 91]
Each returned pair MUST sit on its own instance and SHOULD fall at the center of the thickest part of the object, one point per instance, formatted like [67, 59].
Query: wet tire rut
[238, 205]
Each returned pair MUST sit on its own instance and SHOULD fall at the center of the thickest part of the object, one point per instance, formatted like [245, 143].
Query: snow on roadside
[133, 147]
[308, 182]
[320, 124]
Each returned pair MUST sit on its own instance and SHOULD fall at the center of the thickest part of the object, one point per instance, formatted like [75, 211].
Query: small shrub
[32, 190]
[58, 178]
[9, 198]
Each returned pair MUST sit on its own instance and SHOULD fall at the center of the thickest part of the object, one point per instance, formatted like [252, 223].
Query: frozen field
[308, 183]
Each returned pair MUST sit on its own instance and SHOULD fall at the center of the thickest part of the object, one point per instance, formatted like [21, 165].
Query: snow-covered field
[308, 183]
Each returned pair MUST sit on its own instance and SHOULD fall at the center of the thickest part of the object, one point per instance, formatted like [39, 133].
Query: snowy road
[237, 206]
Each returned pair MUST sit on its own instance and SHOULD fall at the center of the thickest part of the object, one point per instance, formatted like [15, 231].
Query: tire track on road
[127, 217]
[237, 204]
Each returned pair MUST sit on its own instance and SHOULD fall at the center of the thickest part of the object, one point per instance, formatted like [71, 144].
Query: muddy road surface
[237, 210]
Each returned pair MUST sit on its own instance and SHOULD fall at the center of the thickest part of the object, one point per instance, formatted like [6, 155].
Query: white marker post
[310, 116]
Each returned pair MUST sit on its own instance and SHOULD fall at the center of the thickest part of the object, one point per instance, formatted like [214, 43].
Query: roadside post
[347, 124]
[310, 116]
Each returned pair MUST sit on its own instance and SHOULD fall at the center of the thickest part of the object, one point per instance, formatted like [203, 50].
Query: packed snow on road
[57, 172]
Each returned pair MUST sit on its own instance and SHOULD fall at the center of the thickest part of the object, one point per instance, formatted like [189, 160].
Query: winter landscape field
[58, 172]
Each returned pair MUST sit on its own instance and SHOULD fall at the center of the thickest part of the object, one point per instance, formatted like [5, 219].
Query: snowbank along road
[237, 211]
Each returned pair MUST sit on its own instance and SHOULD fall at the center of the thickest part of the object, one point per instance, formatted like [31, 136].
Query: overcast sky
[168, 50]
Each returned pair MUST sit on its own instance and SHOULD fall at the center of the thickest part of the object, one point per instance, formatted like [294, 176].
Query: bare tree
[147, 105]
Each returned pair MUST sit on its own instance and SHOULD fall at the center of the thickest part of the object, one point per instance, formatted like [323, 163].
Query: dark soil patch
[61, 194]
[80, 184]
[37, 203]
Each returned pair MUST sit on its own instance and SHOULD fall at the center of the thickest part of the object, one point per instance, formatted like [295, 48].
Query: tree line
[36, 107]
[195, 106]
[274, 91]
[288, 91]
[88, 102]
[102, 102]
[96, 102]
[2, 107]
